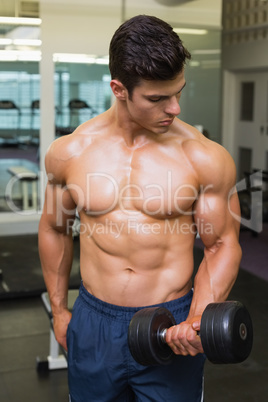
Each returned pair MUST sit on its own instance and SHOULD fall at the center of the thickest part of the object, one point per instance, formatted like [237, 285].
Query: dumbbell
[226, 334]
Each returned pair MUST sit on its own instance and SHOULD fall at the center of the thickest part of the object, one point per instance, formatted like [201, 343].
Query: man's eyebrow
[164, 96]
[184, 85]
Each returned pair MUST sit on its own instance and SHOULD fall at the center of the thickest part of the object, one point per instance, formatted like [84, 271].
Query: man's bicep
[214, 218]
[59, 207]
[234, 208]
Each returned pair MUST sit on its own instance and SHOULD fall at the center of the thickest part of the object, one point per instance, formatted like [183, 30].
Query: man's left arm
[215, 216]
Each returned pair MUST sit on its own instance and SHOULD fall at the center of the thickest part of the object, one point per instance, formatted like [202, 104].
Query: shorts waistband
[123, 313]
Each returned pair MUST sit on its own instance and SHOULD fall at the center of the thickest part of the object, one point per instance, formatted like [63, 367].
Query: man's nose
[173, 108]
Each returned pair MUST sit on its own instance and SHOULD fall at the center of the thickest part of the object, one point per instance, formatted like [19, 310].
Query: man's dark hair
[145, 47]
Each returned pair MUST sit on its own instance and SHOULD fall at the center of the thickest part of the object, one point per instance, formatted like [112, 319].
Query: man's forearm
[215, 277]
[56, 255]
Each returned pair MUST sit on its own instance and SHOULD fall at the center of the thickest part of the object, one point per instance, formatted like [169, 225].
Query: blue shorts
[102, 369]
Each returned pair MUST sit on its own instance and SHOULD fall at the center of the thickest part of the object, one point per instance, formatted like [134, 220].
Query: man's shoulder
[210, 160]
[64, 150]
[193, 141]
[73, 144]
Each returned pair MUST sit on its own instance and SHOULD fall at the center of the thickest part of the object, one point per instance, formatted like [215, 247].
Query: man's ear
[119, 90]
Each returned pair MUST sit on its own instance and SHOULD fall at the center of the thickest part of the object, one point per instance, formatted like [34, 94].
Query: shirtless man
[144, 183]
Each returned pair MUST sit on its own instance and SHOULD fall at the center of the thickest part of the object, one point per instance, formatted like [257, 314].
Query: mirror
[201, 98]
[82, 91]
[19, 134]
[19, 113]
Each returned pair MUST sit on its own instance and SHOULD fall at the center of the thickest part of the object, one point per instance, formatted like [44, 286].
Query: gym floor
[24, 335]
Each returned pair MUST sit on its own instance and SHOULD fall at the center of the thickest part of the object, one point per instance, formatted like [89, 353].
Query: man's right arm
[56, 253]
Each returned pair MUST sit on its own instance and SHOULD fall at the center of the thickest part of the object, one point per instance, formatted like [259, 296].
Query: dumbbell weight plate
[226, 332]
[144, 336]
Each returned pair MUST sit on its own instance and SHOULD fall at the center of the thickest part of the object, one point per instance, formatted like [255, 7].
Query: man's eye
[154, 99]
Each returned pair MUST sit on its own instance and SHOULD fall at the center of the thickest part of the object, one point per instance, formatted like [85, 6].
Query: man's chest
[154, 181]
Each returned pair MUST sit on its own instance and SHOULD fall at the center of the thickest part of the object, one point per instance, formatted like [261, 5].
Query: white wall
[246, 56]
[244, 49]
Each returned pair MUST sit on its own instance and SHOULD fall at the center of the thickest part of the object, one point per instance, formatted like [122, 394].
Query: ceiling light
[194, 63]
[211, 63]
[8, 55]
[29, 56]
[172, 2]
[5, 41]
[27, 42]
[190, 31]
[20, 21]
[17, 55]
[206, 51]
[73, 58]
[79, 58]
[102, 61]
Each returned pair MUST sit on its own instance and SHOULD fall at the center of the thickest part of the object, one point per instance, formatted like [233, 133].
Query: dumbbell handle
[164, 332]
[163, 335]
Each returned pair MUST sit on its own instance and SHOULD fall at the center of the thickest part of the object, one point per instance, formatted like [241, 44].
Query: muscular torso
[135, 206]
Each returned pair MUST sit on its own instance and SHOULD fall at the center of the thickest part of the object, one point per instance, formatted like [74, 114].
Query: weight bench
[25, 176]
[57, 358]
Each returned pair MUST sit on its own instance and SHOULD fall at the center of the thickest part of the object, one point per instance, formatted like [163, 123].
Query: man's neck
[132, 133]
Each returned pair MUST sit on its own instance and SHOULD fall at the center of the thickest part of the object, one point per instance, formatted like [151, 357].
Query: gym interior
[53, 76]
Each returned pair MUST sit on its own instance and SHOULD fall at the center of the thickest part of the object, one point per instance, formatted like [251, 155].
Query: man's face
[155, 104]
